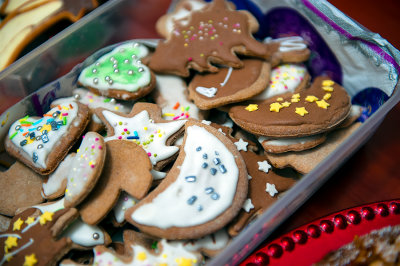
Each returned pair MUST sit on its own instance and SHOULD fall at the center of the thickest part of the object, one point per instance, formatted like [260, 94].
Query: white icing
[227, 77]
[84, 166]
[288, 44]
[241, 145]
[9, 255]
[52, 207]
[270, 189]
[103, 84]
[284, 78]
[145, 128]
[264, 166]
[206, 122]
[181, 15]
[248, 205]
[173, 90]
[54, 136]
[215, 241]
[124, 202]
[171, 207]
[208, 92]
[288, 141]
[84, 234]
[157, 175]
[55, 180]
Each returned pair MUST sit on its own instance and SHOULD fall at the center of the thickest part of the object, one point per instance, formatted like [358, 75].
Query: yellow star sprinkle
[141, 256]
[286, 104]
[328, 82]
[252, 107]
[45, 127]
[327, 96]
[311, 98]
[30, 220]
[46, 217]
[280, 99]
[295, 100]
[184, 262]
[301, 111]
[297, 95]
[327, 88]
[17, 224]
[275, 107]
[30, 260]
[322, 104]
[11, 242]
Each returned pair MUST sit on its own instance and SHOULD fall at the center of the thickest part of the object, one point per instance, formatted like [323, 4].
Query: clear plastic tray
[44, 74]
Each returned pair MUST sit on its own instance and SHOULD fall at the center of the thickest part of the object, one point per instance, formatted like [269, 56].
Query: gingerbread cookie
[145, 127]
[43, 143]
[93, 101]
[32, 239]
[4, 223]
[307, 160]
[282, 145]
[29, 19]
[229, 85]
[203, 191]
[213, 35]
[120, 73]
[127, 168]
[355, 113]
[285, 78]
[315, 110]
[170, 95]
[124, 202]
[20, 187]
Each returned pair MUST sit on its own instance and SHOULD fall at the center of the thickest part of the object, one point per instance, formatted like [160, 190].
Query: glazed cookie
[29, 19]
[127, 168]
[229, 85]
[43, 143]
[203, 191]
[124, 202]
[32, 239]
[170, 95]
[20, 187]
[282, 145]
[285, 78]
[93, 101]
[120, 73]
[307, 160]
[213, 35]
[315, 110]
[145, 127]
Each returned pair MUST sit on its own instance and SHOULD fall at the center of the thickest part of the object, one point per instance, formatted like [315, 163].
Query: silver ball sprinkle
[135, 45]
[17, 127]
[115, 65]
[96, 236]
[38, 138]
[141, 69]
[110, 82]
[94, 70]
[130, 72]
[40, 146]
[116, 70]
[112, 59]
[97, 64]
[77, 96]
[107, 78]
[126, 61]
[95, 80]
[113, 101]
[138, 62]
[133, 56]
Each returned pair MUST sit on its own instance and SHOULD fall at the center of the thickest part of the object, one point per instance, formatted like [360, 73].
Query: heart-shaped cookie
[43, 143]
[317, 109]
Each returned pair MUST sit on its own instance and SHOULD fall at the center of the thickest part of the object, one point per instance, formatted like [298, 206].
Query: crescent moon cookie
[229, 85]
[127, 168]
[203, 191]
[145, 127]
[120, 73]
[213, 35]
[93, 101]
[43, 143]
[315, 110]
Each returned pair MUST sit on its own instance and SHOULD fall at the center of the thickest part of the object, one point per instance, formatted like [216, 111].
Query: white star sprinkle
[264, 166]
[241, 145]
[249, 177]
[247, 206]
[271, 190]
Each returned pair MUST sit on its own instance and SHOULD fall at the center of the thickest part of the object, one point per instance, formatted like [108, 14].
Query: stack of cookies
[163, 156]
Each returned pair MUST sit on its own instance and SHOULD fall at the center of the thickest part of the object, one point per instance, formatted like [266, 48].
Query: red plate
[310, 243]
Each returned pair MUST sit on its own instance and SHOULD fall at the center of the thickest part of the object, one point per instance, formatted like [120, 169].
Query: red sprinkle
[71, 106]
[24, 134]
[176, 106]
[64, 114]
[59, 107]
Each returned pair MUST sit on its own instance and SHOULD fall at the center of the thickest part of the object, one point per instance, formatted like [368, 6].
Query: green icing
[106, 67]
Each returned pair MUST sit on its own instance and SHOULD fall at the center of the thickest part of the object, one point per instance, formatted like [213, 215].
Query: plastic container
[361, 61]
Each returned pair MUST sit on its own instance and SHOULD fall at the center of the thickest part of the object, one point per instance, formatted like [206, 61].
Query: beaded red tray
[311, 242]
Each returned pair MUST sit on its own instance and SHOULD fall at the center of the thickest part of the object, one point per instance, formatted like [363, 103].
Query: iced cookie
[4, 223]
[315, 110]
[145, 127]
[127, 168]
[282, 145]
[120, 73]
[307, 160]
[229, 85]
[124, 202]
[171, 95]
[43, 143]
[213, 35]
[29, 19]
[93, 101]
[285, 78]
[20, 187]
[32, 238]
[203, 191]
